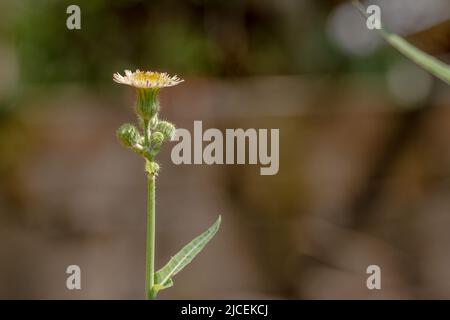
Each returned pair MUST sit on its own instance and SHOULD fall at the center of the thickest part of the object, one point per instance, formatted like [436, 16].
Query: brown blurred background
[364, 149]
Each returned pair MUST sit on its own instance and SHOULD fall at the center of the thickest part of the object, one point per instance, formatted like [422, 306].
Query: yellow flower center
[146, 76]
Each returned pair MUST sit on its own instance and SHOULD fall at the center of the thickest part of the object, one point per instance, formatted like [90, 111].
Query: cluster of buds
[147, 140]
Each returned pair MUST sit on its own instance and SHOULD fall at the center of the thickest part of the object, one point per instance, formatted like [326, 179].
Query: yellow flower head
[147, 79]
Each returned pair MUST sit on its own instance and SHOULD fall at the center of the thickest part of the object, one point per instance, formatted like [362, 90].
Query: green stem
[150, 250]
[146, 135]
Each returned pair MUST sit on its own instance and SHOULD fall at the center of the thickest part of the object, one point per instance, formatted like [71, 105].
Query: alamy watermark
[73, 21]
[73, 281]
[250, 146]
[374, 280]
[373, 17]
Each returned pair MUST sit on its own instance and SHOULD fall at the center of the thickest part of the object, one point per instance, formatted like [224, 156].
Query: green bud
[151, 167]
[166, 128]
[157, 139]
[128, 135]
[154, 122]
[147, 104]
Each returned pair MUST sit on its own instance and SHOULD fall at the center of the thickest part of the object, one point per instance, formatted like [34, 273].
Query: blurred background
[364, 149]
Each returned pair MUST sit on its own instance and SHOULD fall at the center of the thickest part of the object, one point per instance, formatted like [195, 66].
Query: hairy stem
[150, 251]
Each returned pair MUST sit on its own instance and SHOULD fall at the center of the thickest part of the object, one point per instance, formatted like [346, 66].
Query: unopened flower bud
[166, 128]
[128, 135]
[157, 138]
[151, 167]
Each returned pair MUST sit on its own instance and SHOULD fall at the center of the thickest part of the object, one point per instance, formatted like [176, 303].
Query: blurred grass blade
[426, 61]
[163, 278]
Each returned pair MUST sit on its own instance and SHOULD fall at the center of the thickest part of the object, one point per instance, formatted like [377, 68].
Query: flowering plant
[147, 143]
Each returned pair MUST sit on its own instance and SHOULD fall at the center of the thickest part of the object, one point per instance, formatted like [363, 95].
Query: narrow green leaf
[163, 278]
[426, 61]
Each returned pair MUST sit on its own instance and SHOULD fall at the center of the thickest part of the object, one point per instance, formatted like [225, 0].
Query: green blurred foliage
[194, 37]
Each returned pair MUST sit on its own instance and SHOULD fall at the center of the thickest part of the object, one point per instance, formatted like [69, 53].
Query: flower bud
[157, 139]
[128, 135]
[166, 128]
[147, 104]
[151, 167]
